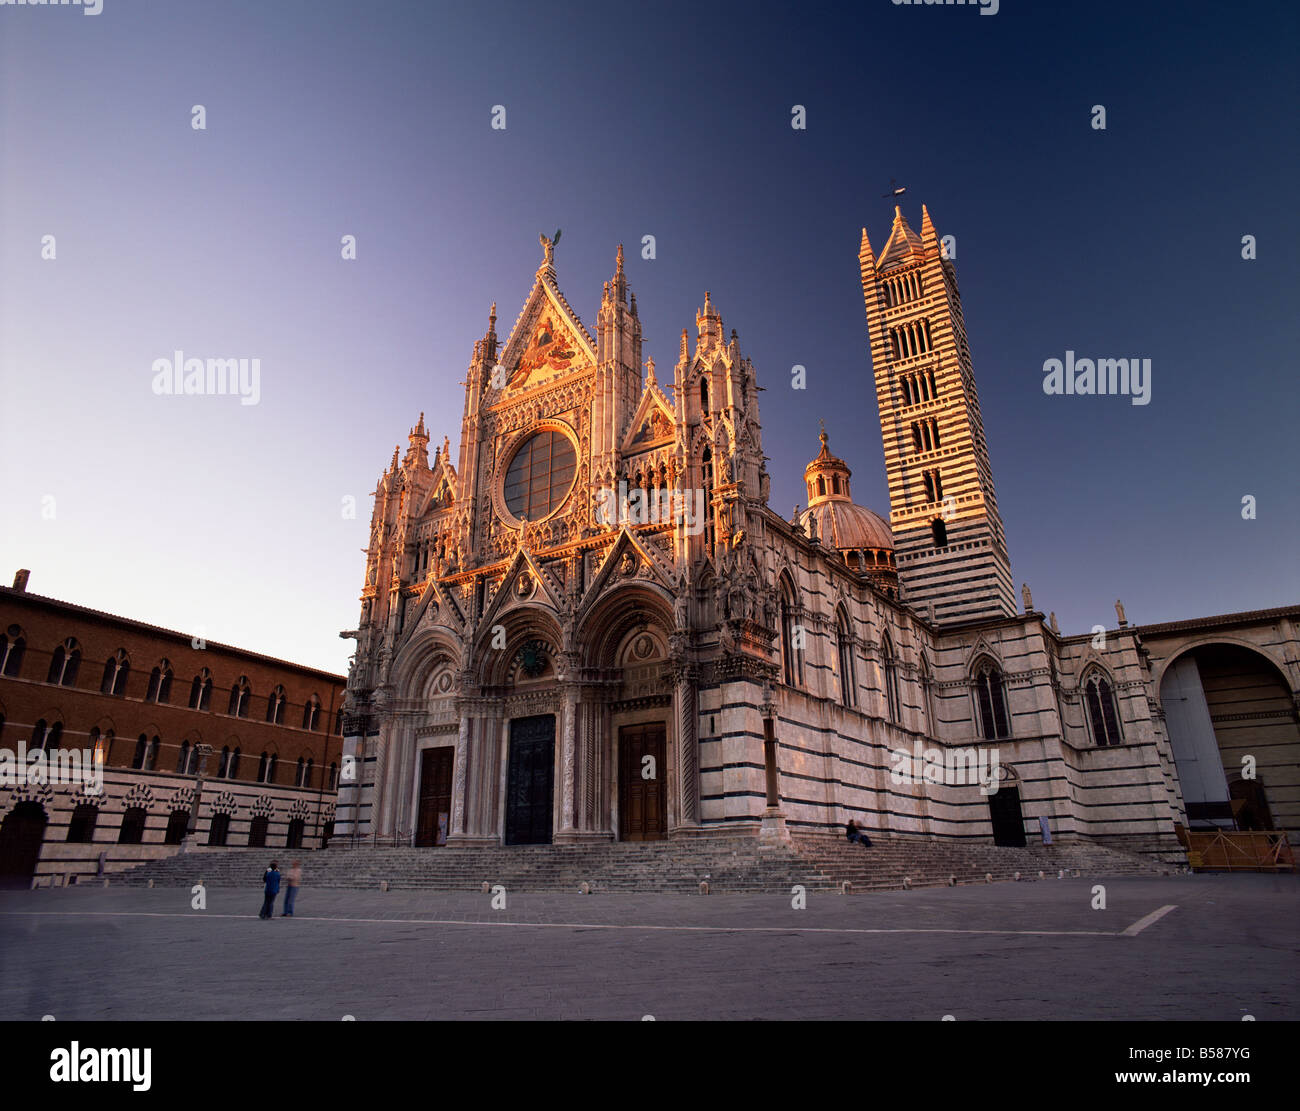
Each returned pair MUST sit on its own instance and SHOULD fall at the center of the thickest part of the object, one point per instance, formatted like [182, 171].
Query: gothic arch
[494, 666]
[608, 623]
[420, 656]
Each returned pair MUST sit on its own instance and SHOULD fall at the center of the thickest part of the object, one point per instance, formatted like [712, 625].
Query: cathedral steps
[729, 864]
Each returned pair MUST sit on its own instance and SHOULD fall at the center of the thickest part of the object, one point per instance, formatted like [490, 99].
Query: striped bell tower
[949, 545]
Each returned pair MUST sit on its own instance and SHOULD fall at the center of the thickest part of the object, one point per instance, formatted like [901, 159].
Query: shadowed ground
[1010, 951]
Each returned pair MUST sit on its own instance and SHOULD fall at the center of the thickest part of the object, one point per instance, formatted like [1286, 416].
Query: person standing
[271, 882]
[292, 880]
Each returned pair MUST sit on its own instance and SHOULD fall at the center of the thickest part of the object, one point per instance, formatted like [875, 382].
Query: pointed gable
[548, 339]
[653, 422]
[903, 245]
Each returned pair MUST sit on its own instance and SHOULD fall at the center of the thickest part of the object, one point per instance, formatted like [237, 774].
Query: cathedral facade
[591, 625]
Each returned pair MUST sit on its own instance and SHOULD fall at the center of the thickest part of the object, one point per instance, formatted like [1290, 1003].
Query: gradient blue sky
[326, 119]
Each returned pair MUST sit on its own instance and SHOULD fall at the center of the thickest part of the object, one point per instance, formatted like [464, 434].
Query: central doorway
[1008, 821]
[21, 834]
[530, 781]
[435, 797]
[642, 799]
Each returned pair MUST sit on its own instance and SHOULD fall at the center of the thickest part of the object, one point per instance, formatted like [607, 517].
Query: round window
[539, 475]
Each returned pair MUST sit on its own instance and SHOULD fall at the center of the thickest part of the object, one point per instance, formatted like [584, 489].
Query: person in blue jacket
[272, 881]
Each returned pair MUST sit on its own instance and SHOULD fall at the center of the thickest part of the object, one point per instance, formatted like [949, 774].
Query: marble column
[459, 777]
[568, 759]
[688, 751]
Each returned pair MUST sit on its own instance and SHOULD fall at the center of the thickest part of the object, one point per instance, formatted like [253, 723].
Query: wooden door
[21, 834]
[642, 778]
[1008, 821]
[435, 797]
[530, 781]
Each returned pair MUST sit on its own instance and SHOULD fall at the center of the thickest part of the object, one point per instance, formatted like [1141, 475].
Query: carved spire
[928, 234]
[650, 373]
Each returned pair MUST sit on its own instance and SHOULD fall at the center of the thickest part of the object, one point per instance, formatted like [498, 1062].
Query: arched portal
[21, 834]
[1235, 735]
[637, 744]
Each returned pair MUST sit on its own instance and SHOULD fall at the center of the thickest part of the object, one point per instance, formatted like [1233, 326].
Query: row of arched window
[912, 338]
[987, 681]
[918, 387]
[65, 664]
[85, 818]
[48, 736]
[904, 288]
[925, 434]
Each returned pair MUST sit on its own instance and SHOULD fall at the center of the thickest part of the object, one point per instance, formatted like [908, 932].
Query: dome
[862, 538]
[842, 524]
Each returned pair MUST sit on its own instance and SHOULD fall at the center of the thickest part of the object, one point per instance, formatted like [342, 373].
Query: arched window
[160, 683]
[306, 775]
[81, 829]
[133, 821]
[310, 712]
[261, 768]
[338, 721]
[102, 747]
[333, 777]
[821, 486]
[275, 706]
[240, 696]
[141, 751]
[991, 698]
[201, 690]
[844, 649]
[12, 646]
[64, 664]
[257, 832]
[270, 770]
[219, 829]
[704, 393]
[297, 779]
[151, 757]
[892, 700]
[192, 768]
[234, 765]
[1102, 715]
[183, 758]
[792, 635]
[178, 823]
[223, 765]
[116, 670]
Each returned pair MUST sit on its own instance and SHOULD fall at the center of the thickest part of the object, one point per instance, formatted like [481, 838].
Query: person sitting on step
[853, 833]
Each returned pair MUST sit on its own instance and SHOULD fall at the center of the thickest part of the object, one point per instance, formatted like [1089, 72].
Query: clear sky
[328, 119]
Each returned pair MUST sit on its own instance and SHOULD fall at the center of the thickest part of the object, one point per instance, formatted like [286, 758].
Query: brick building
[243, 748]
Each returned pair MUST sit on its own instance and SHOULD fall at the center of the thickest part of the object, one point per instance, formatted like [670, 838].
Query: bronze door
[435, 796]
[642, 775]
[530, 781]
